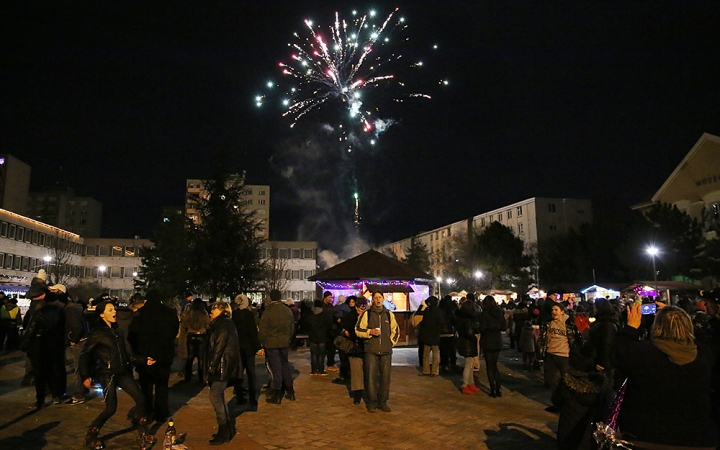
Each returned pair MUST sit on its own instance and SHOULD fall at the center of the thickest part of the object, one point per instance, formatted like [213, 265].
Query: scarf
[677, 352]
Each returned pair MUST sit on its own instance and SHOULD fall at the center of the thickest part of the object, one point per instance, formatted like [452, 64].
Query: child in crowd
[528, 345]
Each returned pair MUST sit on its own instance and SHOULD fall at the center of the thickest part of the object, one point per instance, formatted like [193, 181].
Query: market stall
[402, 286]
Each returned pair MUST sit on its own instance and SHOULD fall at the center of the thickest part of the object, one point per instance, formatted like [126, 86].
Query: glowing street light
[439, 284]
[101, 269]
[47, 258]
[653, 252]
[478, 274]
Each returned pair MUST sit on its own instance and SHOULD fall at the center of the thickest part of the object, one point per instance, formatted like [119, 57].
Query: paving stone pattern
[427, 413]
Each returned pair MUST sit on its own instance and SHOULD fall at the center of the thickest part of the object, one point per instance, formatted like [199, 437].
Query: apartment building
[298, 262]
[533, 220]
[256, 199]
[113, 264]
[64, 209]
[14, 183]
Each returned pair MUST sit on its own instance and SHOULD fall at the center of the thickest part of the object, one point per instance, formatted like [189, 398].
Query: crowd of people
[661, 365]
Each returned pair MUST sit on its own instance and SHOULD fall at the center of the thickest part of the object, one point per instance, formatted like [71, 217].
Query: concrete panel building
[14, 184]
[113, 264]
[299, 262]
[64, 209]
[256, 200]
[533, 220]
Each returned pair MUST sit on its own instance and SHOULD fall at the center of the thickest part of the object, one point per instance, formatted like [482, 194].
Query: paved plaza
[427, 413]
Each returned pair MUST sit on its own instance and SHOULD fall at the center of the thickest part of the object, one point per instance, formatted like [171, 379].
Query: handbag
[344, 344]
[606, 434]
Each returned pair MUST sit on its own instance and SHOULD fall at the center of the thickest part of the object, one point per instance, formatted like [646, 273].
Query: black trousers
[110, 384]
[154, 385]
[195, 349]
[330, 352]
[247, 357]
[448, 351]
[48, 364]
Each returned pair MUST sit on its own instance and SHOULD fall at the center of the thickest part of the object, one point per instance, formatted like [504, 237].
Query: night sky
[125, 102]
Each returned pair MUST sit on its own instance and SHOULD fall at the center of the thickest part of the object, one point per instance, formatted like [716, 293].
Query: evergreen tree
[166, 266]
[417, 255]
[225, 245]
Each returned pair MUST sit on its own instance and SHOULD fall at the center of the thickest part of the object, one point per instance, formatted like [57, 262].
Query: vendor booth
[595, 291]
[662, 290]
[403, 286]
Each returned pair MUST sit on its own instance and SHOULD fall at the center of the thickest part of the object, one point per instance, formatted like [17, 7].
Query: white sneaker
[77, 401]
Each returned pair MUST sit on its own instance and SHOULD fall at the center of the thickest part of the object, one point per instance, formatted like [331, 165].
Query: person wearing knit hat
[245, 323]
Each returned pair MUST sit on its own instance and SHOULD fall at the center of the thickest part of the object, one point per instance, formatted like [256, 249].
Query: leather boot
[274, 396]
[357, 397]
[222, 435]
[498, 391]
[145, 437]
[252, 397]
[91, 439]
[290, 394]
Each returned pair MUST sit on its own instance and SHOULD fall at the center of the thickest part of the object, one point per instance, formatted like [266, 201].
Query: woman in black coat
[357, 377]
[430, 331]
[105, 355]
[492, 323]
[246, 325]
[668, 376]
[468, 327]
[222, 364]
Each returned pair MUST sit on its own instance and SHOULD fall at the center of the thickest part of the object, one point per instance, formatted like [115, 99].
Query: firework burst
[344, 63]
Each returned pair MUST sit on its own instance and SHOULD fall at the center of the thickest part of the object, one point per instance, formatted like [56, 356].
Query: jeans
[217, 399]
[110, 384]
[555, 368]
[155, 379]
[468, 378]
[317, 357]
[280, 368]
[195, 349]
[435, 359]
[377, 378]
[74, 351]
[330, 350]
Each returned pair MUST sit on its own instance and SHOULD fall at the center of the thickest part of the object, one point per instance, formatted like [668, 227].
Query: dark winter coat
[320, 326]
[348, 324]
[492, 324]
[602, 339]
[431, 326]
[76, 327]
[659, 388]
[520, 316]
[277, 326]
[153, 330]
[222, 350]
[468, 327]
[46, 326]
[247, 330]
[448, 308]
[582, 399]
[528, 340]
[105, 353]
[124, 317]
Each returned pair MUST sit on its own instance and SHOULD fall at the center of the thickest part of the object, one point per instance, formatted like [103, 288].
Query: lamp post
[450, 281]
[439, 283]
[653, 252]
[101, 269]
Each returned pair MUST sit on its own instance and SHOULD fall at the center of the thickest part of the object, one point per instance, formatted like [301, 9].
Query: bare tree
[60, 268]
[275, 268]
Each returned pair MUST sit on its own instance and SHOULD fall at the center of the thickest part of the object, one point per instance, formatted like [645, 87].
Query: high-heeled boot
[91, 439]
[222, 435]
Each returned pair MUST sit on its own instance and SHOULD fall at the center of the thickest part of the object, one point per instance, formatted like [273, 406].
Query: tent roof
[371, 265]
[663, 285]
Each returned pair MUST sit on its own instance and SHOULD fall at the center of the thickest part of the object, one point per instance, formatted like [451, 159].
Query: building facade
[256, 199]
[63, 209]
[14, 184]
[694, 185]
[533, 220]
[26, 246]
[297, 261]
[113, 264]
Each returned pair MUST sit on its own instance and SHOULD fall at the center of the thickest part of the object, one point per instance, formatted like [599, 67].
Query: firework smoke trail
[345, 63]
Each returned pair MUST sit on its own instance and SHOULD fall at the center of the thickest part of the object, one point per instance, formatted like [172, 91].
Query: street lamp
[101, 269]
[439, 283]
[478, 274]
[653, 252]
